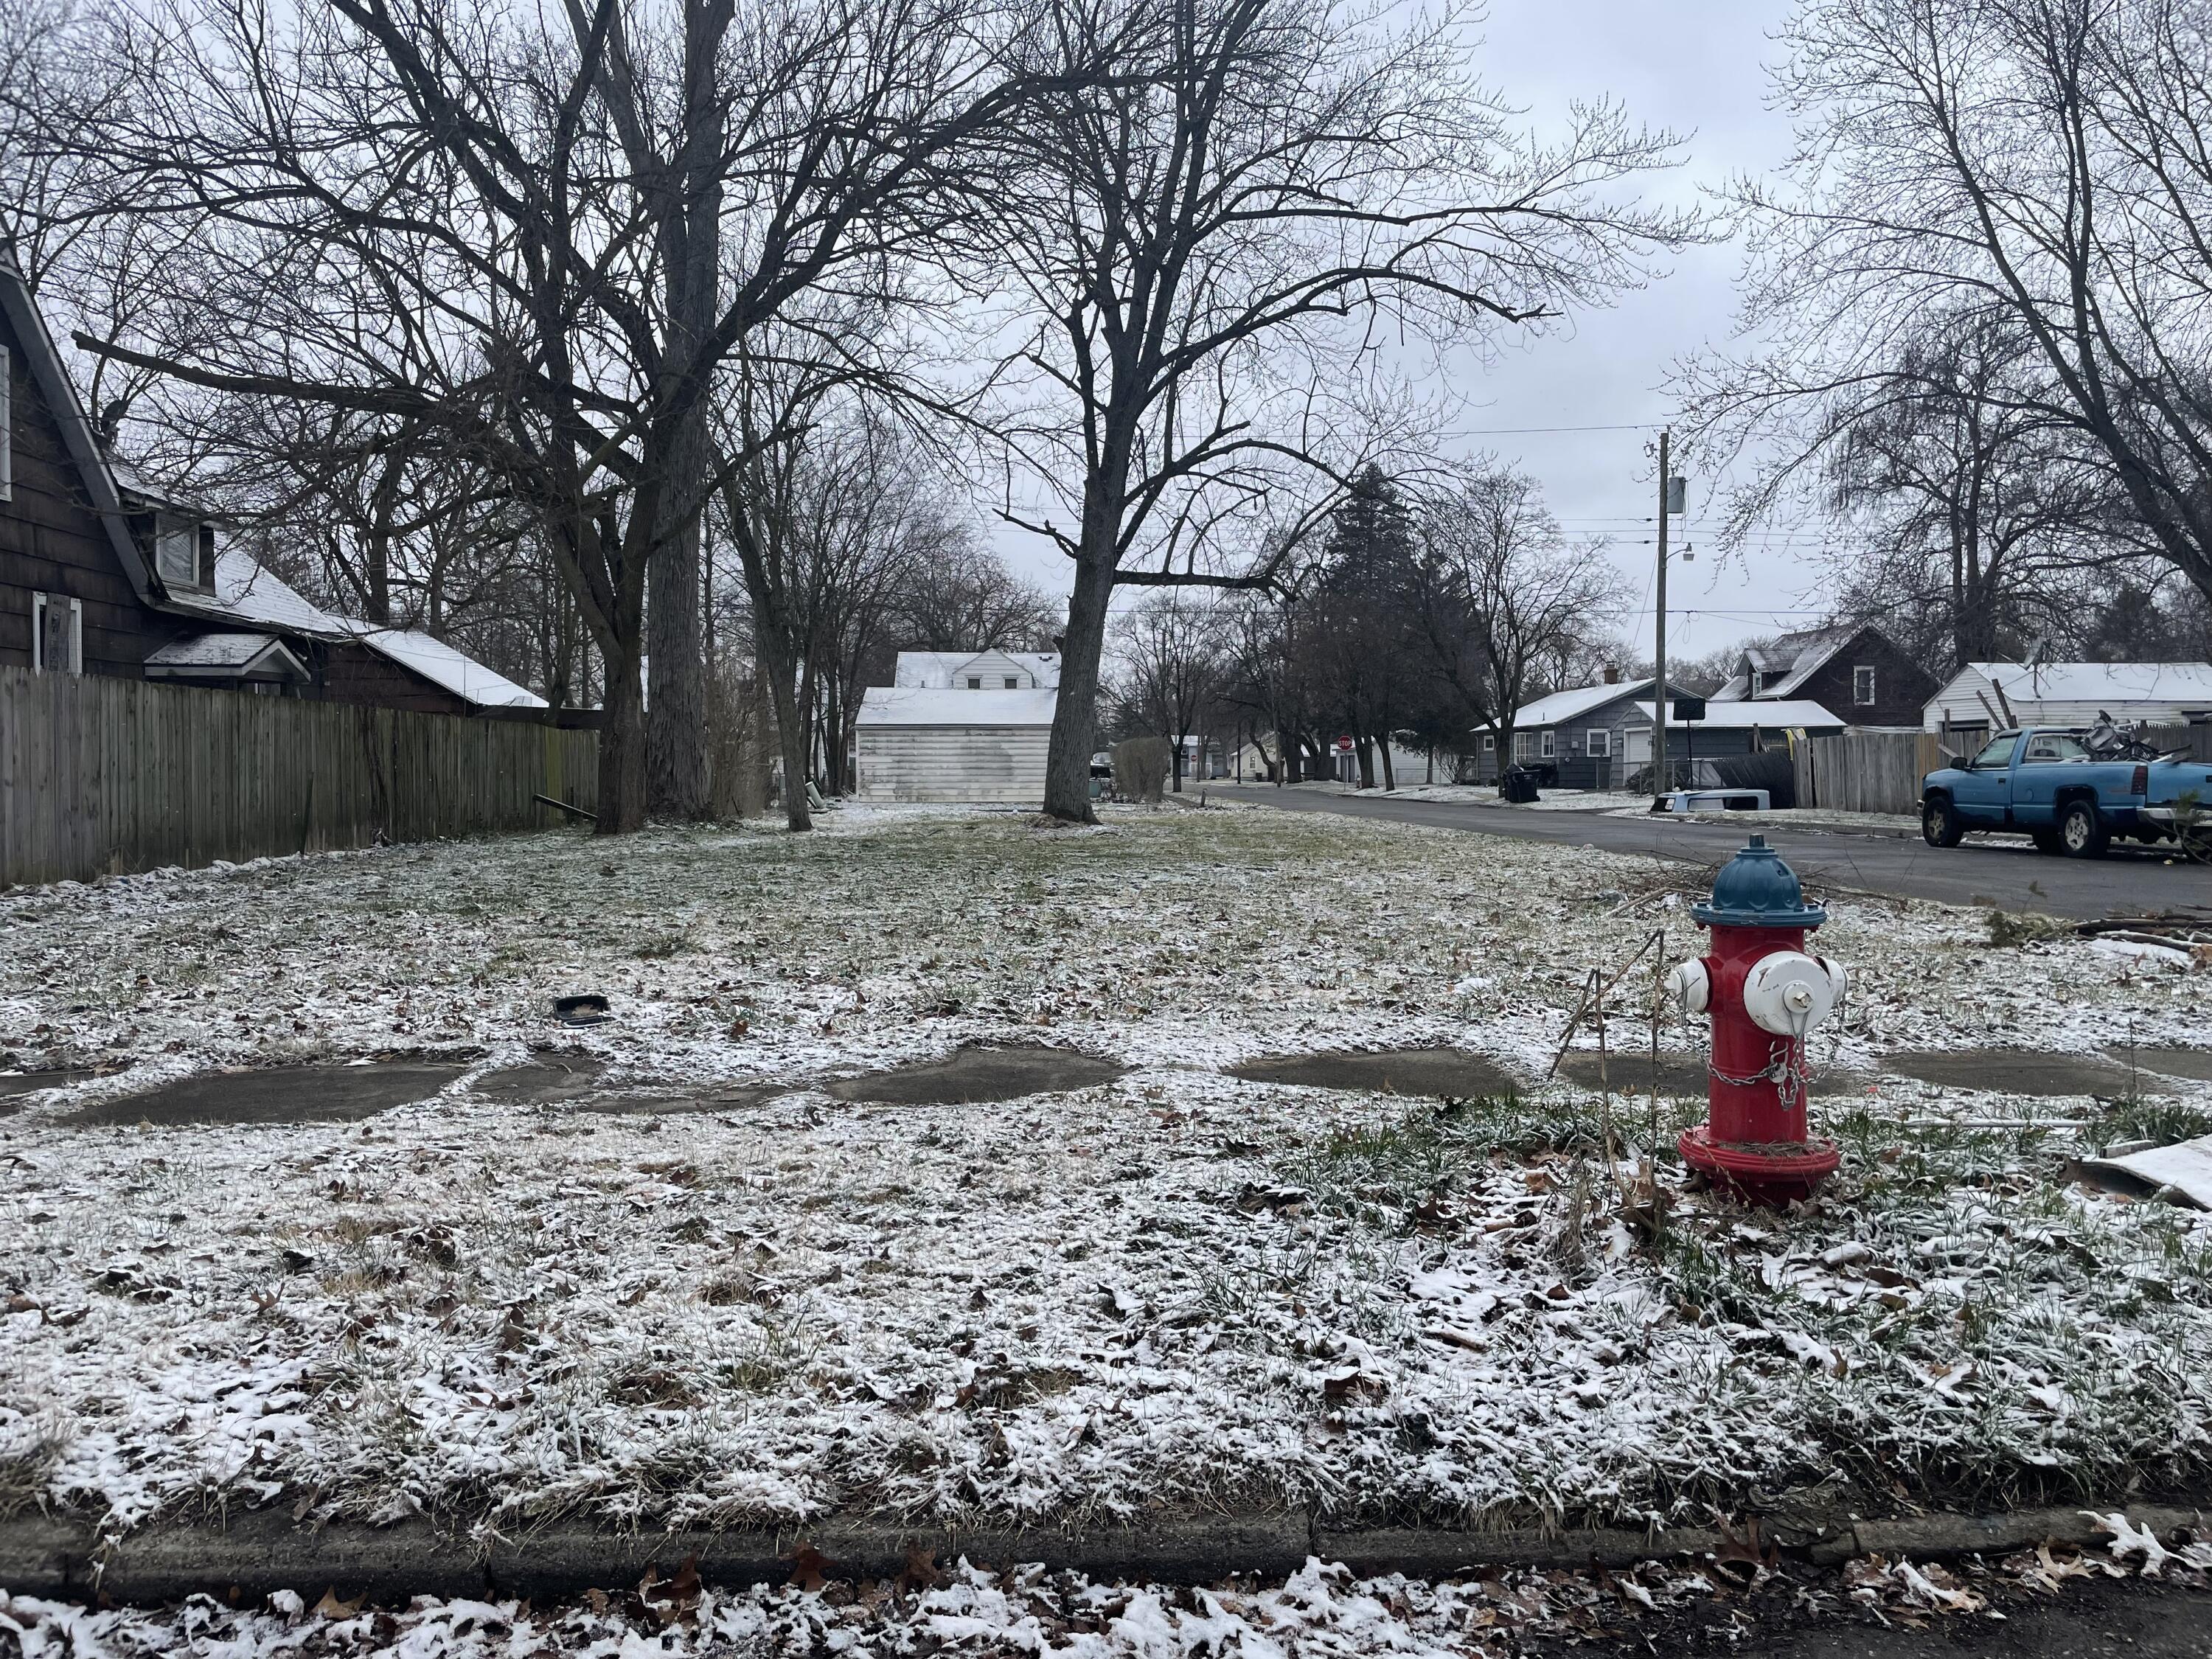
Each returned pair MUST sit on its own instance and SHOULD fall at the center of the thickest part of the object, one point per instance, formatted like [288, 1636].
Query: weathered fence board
[102, 775]
[1865, 771]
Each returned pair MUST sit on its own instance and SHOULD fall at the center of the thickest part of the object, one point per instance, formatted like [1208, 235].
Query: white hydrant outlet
[1690, 985]
[1790, 992]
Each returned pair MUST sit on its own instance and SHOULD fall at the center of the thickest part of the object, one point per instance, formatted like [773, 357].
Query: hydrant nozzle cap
[1756, 889]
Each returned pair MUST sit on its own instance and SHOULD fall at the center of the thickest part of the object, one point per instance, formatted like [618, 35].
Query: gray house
[1591, 737]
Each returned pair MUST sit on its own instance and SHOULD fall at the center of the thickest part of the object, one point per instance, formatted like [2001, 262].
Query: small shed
[1985, 696]
[931, 744]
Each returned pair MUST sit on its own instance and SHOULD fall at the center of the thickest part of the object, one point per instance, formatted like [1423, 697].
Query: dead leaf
[921, 1571]
[810, 1568]
[330, 1608]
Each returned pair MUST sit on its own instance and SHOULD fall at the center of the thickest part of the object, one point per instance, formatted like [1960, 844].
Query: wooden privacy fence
[101, 775]
[1865, 771]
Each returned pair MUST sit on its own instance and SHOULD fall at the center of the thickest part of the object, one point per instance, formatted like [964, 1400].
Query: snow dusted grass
[1174, 1290]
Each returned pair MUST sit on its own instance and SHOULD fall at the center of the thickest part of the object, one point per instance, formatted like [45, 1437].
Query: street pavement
[2005, 872]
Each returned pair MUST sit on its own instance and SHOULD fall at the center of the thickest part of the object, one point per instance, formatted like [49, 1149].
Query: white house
[957, 726]
[1984, 696]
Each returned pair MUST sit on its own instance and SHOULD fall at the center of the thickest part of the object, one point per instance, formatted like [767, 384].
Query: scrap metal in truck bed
[2073, 791]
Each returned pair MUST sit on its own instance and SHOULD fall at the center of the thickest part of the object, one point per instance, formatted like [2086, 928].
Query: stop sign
[1343, 744]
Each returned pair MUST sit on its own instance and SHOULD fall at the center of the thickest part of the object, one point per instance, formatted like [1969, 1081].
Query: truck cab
[2050, 784]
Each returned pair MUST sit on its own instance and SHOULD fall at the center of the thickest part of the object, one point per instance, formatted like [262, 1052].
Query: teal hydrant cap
[1756, 889]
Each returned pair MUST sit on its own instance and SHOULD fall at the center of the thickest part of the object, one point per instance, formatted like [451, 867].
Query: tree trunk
[622, 751]
[1363, 747]
[1390, 772]
[773, 643]
[1075, 711]
[676, 718]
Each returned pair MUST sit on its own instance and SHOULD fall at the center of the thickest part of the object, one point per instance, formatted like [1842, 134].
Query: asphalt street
[2005, 872]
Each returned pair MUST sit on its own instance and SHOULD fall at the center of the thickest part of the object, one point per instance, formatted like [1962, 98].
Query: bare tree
[1201, 242]
[1172, 668]
[965, 599]
[470, 224]
[1511, 601]
[2035, 168]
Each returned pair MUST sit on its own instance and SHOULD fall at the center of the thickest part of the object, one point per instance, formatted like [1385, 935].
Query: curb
[263, 1551]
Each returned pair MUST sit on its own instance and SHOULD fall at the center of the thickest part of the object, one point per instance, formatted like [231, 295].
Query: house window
[1012, 684]
[7, 424]
[1524, 745]
[57, 634]
[1546, 744]
[1600, 743]
[183, 549]
[975, 682]
[1862, 687]
[1758, 682]
[1489, 743]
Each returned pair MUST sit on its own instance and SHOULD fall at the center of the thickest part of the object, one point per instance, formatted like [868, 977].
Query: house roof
[231, 651]
[916, 705]
[1789, 662]
[940, 669]
[247, 592]
[1570, 705]
[440, 663]
[2110, 684]
[1767, 713]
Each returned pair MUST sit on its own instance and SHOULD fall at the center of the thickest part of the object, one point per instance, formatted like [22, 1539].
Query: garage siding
[951, 762]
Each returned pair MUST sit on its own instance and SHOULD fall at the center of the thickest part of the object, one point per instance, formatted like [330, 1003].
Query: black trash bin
[1518, 785]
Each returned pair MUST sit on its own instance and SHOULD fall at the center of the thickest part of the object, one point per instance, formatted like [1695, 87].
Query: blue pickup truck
[2072, 791]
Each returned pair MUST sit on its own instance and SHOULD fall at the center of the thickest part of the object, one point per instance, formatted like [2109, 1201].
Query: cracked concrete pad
[1680, 1075]
[1425, 1072]
[548, 1078]
[289, 1094]
[2013, 1072]
[976, 1075]
[2195, 1064]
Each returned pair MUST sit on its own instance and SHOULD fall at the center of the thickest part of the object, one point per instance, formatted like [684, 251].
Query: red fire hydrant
[1764, 993]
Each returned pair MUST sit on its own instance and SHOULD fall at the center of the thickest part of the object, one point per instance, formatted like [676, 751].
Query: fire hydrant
[1765, 995]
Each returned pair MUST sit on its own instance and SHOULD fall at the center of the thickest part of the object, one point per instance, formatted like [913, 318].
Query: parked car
[2071, 791]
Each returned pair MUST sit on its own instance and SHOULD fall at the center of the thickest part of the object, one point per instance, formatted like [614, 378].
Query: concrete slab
[549, 1076]
[288, 1094]
[1681, 1076]
[976, 1075]
[2013, 1072]
[14, 1086]
[2193, 1063]
[1425, 1072]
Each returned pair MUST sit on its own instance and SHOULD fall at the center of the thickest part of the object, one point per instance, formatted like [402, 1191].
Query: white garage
[928, 743]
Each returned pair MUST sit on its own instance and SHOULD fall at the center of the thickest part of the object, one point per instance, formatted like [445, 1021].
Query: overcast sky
[1701, 69]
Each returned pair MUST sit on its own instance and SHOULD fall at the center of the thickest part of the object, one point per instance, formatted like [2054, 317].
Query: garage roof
[914, 705]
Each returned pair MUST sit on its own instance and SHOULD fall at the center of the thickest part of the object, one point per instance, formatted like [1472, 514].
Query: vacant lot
[678, 1265]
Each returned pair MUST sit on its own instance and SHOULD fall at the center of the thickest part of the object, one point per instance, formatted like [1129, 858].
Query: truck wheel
[1939, 822]
[2081, 831]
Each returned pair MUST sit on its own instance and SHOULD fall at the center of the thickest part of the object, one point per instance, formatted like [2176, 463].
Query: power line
[1520, 431]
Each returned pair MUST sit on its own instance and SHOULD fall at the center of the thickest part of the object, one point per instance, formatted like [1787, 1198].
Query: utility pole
[1659, 778]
